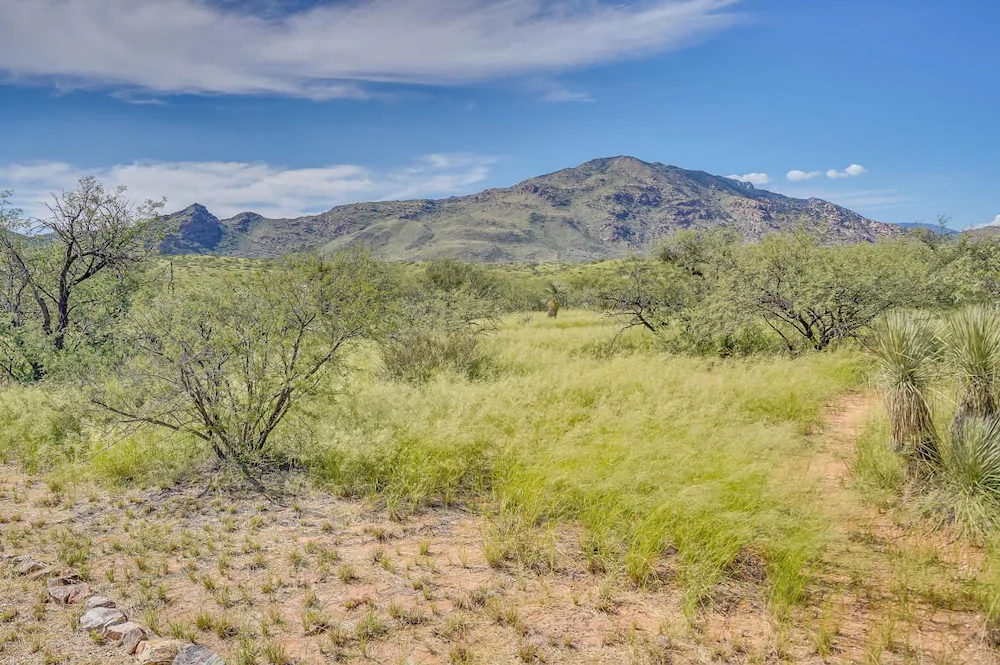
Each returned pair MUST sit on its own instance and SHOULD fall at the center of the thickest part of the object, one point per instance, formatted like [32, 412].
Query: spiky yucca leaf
[972, 346]
[973, 459]
[967, 493]
[905, 348]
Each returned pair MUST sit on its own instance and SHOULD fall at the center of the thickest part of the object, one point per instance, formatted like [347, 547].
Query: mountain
[991, 231]
[936, 228]
[600, 209]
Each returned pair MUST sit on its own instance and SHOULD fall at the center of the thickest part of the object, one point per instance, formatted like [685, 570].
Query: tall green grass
[47, 430]
[666, 467]
[665, 461]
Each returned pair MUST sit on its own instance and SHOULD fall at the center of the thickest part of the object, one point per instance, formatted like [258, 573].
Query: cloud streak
[228, 188]
[334, 49]
[796, 175]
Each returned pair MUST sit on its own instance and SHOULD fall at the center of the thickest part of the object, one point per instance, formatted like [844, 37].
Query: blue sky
[293, 106]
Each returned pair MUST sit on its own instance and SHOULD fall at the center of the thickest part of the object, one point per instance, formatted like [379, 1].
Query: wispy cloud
[852, 171]
[795, 175]
[556, 92]
[332, 49]
[754, 178]
[228, 188]
[870, 200]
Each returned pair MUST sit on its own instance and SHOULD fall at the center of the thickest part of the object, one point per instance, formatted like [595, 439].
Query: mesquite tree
[53, 270]
[227, 364]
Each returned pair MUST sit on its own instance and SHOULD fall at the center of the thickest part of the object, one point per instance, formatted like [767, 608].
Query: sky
[289, 107]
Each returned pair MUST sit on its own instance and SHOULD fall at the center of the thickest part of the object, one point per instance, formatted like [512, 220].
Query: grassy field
[685, 488]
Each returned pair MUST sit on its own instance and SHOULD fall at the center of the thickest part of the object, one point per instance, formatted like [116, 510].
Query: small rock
[157, 652]
[100, 618]
[69, 594]
[98, 601]
[42, 573]
[29, 566]
[196, 654]
[128, 635]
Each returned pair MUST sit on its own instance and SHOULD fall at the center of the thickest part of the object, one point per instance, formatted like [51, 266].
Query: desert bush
[227, 365]
[444, 317]
[711, 294]
[815, 295]
[420, 353]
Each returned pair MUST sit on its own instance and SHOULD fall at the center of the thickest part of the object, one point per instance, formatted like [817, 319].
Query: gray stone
[157, 651]
[128, 635]
[42, 573]
[98, 601]
[29, 566]
[195, 654]
[68, 594]
[100, 618]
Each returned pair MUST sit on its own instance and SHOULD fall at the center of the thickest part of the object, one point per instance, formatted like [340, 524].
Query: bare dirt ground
[315, 579]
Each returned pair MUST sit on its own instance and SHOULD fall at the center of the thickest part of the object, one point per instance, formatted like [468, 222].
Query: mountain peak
[196, 208]
[602, 208]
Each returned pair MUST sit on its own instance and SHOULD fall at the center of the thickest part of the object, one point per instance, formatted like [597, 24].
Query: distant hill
[936, 228]
[989, 231]
[600, 209]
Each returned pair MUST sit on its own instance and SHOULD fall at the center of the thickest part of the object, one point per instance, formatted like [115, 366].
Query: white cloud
[852, 171]
[228, 188]
[559, 95]
[177, 46]
[797, 175]
[755, 178]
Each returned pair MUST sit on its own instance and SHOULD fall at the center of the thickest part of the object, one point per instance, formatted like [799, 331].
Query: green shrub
[417, 355]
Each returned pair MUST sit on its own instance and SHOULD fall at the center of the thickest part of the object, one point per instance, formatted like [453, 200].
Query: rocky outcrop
[102, 617]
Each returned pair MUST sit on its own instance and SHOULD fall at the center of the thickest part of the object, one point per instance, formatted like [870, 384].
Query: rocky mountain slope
[603, 208]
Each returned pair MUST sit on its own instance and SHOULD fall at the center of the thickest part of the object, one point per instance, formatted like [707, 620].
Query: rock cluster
[101, 615]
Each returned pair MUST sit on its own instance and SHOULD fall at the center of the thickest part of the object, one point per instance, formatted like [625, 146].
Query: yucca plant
[969, 491]
[554, 293]
[905, 349]
[972, 347]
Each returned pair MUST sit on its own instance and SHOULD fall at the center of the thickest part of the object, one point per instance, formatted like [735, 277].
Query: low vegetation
[594, 435]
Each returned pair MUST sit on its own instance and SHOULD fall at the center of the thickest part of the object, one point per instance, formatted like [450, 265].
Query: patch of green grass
[653, 455]
[878, 471]
[649, 452]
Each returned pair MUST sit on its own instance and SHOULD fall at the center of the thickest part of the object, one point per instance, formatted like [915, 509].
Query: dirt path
[891, 592]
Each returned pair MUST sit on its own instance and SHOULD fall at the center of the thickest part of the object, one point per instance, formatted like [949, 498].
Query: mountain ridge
[602, 208]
